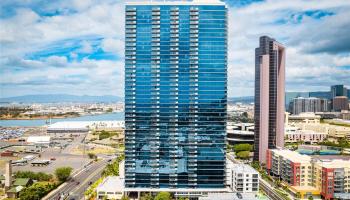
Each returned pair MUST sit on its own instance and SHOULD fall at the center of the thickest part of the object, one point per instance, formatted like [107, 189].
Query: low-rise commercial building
[334, 132]
[39, 140]
[302, 117]
[293, 134]
[84, 126]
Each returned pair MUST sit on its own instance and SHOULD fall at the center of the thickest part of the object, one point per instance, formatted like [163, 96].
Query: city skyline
[76, 48]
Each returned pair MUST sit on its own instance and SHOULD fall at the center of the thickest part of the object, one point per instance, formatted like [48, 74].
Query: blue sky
[76, 46]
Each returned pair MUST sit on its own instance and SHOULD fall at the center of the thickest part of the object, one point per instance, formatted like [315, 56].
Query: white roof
[176, 2]
[292, 155]
[241, 168]
[336, 163]
[111, 184]
[85, 124]
[38, 139]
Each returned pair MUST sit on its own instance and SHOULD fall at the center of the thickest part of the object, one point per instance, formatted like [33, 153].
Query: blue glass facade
[175, 96]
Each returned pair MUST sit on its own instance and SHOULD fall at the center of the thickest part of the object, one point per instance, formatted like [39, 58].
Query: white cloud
[113, 45]
[342, 61]
[312, 58]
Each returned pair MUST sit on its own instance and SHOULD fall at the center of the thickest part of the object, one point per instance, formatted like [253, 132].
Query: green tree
[310, 198]
[39, 176]
[63, 173]
[243, 155]
[36, 191]
[163, 196]
[125, 197]
[183, 198]
[242, 147]
[92, 155]
[146, 196]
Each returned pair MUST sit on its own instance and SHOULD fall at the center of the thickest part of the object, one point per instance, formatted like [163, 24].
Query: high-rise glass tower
[175, 94]
[269, 97]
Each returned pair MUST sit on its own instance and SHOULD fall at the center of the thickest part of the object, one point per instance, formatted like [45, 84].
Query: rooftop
[85, 124]
[111, 184]
[334, 163]
[242, 168]
[38, 139]
[15, 189]
[292, 155]
[176, 2]
[21, 181]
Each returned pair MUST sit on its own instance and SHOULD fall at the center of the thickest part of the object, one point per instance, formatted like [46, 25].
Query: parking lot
[59, 154]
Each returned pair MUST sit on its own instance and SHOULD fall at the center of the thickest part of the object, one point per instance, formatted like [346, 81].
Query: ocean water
[42, 122]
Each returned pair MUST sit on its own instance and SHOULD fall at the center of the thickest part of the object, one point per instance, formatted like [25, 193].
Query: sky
[77, 46]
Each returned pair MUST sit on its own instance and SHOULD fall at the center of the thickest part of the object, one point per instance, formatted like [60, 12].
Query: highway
[75, 188]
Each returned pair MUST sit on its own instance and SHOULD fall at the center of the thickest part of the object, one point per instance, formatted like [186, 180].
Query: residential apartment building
[242, 178]
[292, 167]
[269, 97]
[327, 178]
[175, 95]
[311, 104]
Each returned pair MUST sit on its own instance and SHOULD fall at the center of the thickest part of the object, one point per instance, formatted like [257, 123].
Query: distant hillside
[247, 99]
[57, 98]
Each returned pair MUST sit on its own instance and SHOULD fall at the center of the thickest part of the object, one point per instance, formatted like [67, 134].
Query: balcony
[132, 35]
[155, 35]
[174, 44]
[130, 13]
[130, 26]
[130, 32]
[129, 22]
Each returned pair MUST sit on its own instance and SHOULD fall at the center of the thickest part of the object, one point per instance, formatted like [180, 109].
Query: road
[269, 190]
[80, 182]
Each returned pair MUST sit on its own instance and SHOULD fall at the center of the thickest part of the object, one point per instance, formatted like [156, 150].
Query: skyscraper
[269, 97]
[175, 94]
[338, 90]
[340, 103]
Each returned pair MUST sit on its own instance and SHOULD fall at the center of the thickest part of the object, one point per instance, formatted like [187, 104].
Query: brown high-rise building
[269, 97]
[340, 103]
